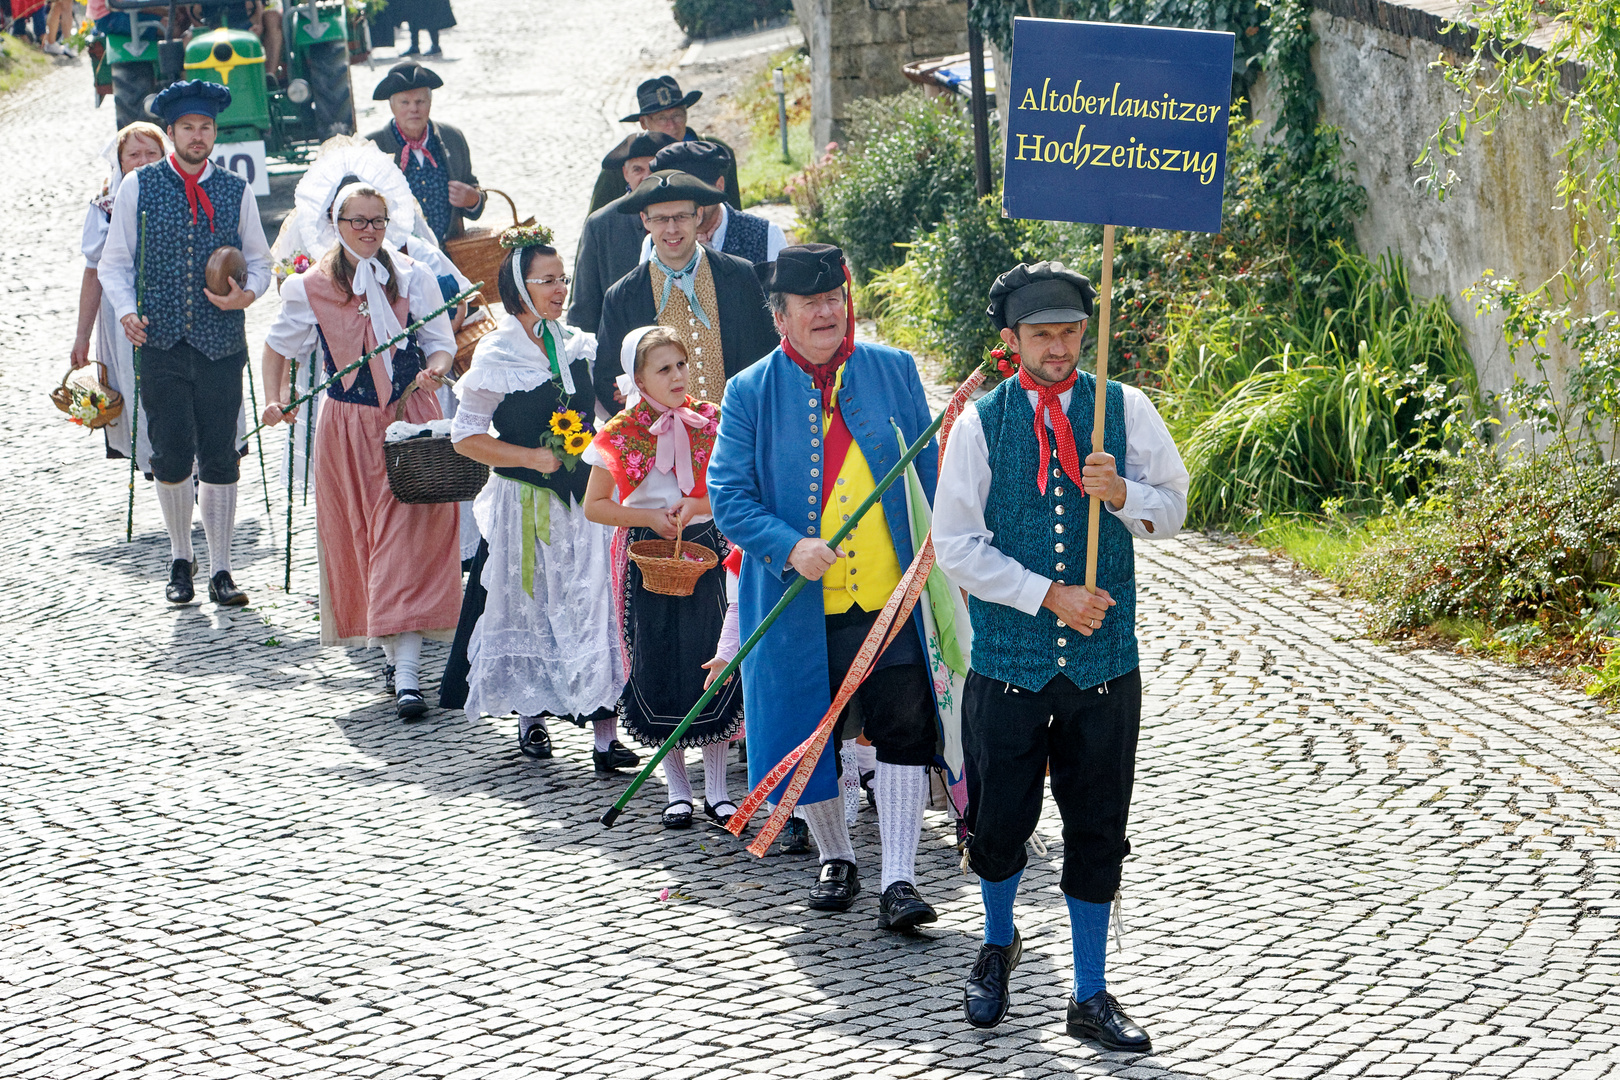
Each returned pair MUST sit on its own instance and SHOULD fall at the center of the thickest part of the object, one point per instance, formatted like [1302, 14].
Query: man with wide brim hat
[610, 242]
[433, 156]
[713, 300]
[735, 232]
[661, 106]
[191, 341]
[1054, 685]
[803, 436]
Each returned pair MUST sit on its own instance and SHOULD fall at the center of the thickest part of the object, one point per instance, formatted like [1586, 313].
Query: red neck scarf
[1048, 404]
[825, 377]
[195, 195]
[408, 144]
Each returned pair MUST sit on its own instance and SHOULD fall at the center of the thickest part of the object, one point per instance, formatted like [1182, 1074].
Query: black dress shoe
[615, 757]
[678, 814]
[714, 813]
[535, 743]
[836, 887]
[180, 590]
[1100, 1019]
[902, 910]
[794, 838]
[388, 679]
[866, 786]
[410, 704]
[989, 991]
[223, 591]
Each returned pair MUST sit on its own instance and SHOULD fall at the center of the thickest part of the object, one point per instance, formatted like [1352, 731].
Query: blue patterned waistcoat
[747, 237]
[1047, 534]
[429, 183]
[177, 254]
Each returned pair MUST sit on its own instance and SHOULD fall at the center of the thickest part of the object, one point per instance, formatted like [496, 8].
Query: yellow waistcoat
[871, 570]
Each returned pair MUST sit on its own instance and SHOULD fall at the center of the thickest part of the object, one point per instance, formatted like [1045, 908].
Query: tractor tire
[132, 85]
[328, 66]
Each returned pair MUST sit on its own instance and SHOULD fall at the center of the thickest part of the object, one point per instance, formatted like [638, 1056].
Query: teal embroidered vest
[177, 254]
[1047, 534]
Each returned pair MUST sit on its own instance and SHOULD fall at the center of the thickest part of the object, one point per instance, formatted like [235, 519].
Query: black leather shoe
[410, 704]
[902, 910]
[388, 680]
[989, 992]
[1100, 1019]
[180, 590]
[794, 838]
[678, 814]
[223, 591]
[866, 786]
[615, 757]
[535, 743]
[836, 887]
[720, 812]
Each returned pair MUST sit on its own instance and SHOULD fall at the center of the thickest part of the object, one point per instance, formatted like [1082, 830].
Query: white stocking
[407, 660]
[827, 828]
[902, 791]
[714, 773]
[851, 782]
[176, 501]
[680, 787]
[218, 505]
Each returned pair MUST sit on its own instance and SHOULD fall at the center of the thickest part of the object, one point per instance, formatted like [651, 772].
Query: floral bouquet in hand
[570, 434]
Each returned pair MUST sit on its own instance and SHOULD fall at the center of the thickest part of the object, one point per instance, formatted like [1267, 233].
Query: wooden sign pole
[1103, 335]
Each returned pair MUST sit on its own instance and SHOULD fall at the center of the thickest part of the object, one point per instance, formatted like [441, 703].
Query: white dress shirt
[1156, 485]
[775, 240]
[117, 267]
[294, 333]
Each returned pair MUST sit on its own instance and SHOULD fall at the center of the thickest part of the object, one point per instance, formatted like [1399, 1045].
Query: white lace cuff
[468, 422]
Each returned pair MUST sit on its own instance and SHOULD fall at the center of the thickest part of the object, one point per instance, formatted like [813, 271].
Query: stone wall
[857, 48]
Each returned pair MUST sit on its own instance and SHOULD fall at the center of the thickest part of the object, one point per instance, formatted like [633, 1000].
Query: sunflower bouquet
[570, 434]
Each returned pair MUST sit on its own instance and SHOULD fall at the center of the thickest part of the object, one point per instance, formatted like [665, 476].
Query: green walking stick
[135, 415]
[309, 443]
[793, 590]
[292, 388]
[264, 479]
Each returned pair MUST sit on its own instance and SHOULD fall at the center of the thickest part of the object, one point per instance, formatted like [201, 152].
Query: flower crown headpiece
[522, 236]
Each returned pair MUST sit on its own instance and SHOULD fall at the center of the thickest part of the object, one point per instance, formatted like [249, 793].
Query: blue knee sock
[998, 909]
[1088, 927]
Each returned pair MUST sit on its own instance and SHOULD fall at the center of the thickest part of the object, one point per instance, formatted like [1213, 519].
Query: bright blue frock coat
[765, 490]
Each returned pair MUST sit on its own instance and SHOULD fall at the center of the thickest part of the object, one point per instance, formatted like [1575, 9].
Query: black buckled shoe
[794, 838]
[714, 813]
[836, 886]
[900, 909]
[535, 743]
[1100, 1019]
[614, 758]
[678, 814]
[223, 591]
[180, 590]
[989, 987]
[410, 704]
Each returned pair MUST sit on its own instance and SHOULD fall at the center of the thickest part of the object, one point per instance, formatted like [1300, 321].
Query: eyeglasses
[359, 224]
[563, 280]
[670, 219]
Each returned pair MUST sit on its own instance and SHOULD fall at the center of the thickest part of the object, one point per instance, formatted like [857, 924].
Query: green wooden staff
[264, 477]
[793, 590]
[292, 388]
[135, 417]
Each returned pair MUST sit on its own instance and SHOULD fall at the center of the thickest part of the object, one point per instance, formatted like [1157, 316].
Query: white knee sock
[902, 790]
[851, 781]
[407, 660]
[865, 757]
[218, 505]
[680, 787]
[714, 773]
[176, 501]
[606, 730]
[827, 828]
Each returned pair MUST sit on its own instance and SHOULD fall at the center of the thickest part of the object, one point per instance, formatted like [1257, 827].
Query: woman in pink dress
[390, 572]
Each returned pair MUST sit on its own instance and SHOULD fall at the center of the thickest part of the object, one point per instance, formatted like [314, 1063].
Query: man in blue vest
[1055, 684]
[191, 340]
[735, 232]
[432, 155]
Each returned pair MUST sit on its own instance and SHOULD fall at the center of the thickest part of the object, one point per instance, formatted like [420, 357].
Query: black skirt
[668, 640]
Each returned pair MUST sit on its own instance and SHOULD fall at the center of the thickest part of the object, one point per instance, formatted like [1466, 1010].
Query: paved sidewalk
[221, 855]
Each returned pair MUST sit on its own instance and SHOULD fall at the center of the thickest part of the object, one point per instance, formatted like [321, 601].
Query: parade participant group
[696, 380]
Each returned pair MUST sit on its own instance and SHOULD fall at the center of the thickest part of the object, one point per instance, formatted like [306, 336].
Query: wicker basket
[112, 402]
[467, 339]
[670, 568]
[478, 252]
[428, 469]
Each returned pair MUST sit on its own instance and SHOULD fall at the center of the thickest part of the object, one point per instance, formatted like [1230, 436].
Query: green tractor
[265, 119]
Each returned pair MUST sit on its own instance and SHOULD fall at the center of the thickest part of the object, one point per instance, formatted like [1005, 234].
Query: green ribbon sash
[536, 504]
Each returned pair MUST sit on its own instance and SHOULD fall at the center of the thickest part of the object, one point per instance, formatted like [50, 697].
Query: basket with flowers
[87, 399]
[569, 436]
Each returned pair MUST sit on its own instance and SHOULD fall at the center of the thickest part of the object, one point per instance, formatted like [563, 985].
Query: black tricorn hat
[1043, 292]
[656, 95]
[705, 160]
[403, 77]
[641, 144]
[669, 185]
[803, 270]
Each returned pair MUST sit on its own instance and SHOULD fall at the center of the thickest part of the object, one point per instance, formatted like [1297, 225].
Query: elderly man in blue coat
[803, 435]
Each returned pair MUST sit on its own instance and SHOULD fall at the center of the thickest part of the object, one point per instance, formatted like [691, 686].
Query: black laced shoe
[180, 590]
[989, 987]
[223, 591]
[617, 756]
[900, 909]
[1100, 1019]
[836, 886]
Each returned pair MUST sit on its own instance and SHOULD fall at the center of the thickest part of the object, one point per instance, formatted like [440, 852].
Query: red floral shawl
[630, 448]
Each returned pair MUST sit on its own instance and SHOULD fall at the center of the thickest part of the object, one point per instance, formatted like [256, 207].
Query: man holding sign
[1054, 684]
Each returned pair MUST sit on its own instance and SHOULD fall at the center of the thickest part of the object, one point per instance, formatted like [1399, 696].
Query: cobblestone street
[223, 856]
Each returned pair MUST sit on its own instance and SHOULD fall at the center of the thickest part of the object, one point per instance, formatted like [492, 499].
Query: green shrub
[711, 18]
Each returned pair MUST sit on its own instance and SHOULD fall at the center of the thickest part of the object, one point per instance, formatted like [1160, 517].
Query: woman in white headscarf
[138, 144]
[390, 572]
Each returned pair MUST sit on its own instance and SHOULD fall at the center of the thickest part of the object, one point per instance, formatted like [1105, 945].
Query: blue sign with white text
[1117, 125]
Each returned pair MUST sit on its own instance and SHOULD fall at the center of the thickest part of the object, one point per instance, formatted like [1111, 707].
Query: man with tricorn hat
[735, 232]
[610, 242]
[433, 156]
[803, 436]
[191, 340]
[712, 300]
[1054, 684]
[660, 106]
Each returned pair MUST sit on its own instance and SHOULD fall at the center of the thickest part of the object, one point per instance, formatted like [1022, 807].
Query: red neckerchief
[407, 145]
[825, 377]
[1047, 402]
[195, 195]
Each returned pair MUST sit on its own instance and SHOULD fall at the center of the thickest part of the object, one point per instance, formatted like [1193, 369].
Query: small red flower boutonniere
[1005, 360]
